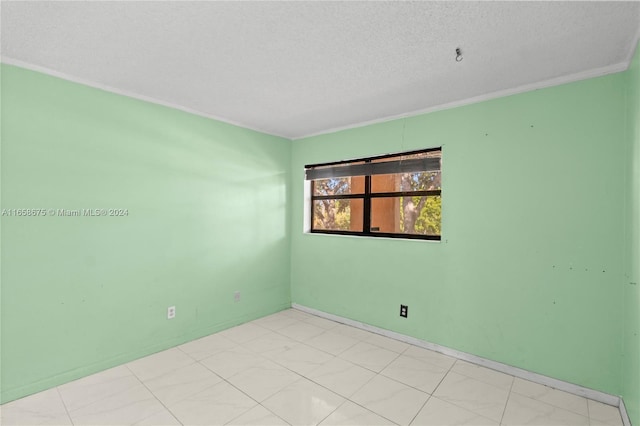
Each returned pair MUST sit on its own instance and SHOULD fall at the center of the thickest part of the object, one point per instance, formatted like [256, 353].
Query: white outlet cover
[171, 312]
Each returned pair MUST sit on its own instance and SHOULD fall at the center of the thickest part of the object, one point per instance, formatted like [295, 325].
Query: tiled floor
[294, 368]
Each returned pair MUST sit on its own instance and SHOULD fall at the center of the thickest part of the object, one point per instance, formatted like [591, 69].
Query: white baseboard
[623, 412]
[593, 394]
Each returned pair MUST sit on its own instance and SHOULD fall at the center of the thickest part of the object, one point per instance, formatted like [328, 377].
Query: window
[396, 195]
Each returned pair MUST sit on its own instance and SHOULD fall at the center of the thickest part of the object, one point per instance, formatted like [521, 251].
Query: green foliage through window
[396, 195]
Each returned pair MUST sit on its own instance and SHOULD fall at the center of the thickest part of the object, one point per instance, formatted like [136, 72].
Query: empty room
[320, 213]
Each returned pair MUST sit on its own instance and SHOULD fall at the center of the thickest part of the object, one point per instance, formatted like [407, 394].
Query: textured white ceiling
[301, 68]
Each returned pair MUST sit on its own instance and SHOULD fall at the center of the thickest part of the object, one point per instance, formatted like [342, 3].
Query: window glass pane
[339, 186]
[418, 181]
[406, 215]
[401, 215]
[338, 215]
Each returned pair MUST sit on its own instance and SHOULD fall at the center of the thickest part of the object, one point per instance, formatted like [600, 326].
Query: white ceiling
[301, 68]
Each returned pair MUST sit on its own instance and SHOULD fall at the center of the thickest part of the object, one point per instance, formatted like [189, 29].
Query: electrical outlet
[236, 296]
[171, 312]
[404, 311]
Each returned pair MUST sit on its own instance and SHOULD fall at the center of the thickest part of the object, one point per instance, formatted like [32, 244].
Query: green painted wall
[531, 264]
[631, 360]
[540, 243]
[208, 215]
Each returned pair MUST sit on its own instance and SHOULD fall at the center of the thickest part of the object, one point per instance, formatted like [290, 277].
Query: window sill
[369, 237]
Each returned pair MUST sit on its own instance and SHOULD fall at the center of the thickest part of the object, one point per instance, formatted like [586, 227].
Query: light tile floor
[298, 369]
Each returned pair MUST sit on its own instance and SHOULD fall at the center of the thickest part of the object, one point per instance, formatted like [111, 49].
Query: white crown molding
[612, 69]
[593, 394]
[584, 75]
[634, 48]
[626, 421]
[68, 77]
